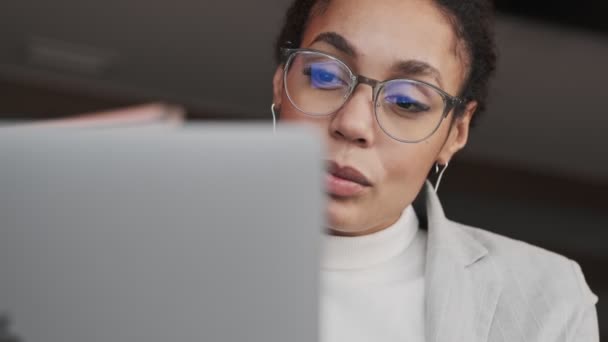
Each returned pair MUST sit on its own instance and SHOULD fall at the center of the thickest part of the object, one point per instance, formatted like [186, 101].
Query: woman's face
[374, 37]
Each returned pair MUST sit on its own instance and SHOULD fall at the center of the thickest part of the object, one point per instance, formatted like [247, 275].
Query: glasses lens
[316, 84]
[408, 110]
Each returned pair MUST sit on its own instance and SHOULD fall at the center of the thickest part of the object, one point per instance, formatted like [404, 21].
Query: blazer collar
[462, 285]
[442, 235]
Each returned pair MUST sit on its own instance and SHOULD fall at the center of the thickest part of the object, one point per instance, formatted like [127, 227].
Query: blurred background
[536, 168]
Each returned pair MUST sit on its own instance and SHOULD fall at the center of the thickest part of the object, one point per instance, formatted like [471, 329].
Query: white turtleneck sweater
[373, 285]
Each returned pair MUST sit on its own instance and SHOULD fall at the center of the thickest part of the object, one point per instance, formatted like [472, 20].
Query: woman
[393, 86]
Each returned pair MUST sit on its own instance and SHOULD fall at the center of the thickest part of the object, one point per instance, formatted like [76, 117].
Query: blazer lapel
[463, 286]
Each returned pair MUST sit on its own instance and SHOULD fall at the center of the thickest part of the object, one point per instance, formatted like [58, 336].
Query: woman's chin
[344, 230]
[342, 217]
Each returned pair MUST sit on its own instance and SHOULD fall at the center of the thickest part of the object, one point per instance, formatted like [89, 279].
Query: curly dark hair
[473, 23]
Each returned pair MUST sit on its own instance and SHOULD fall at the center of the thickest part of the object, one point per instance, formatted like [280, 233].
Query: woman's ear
[277, 86]
[459, 134]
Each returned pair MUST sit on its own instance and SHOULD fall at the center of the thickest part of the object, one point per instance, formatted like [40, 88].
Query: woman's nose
[355, 121]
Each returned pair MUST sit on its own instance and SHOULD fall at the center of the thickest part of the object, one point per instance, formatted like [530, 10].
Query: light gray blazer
[486, 287]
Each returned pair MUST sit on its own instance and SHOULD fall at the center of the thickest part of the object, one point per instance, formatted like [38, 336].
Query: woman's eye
[407, 103]
[322, 78]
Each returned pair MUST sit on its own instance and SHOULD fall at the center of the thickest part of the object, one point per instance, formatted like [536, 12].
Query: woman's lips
[342, 187]
[345, 181]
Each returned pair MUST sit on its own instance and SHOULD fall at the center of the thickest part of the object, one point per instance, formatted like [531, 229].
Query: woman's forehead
[385, 33]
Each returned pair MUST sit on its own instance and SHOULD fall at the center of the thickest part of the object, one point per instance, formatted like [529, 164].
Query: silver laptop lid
[202, 234]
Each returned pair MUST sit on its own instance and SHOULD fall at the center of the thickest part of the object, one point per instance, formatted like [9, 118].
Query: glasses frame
[450, 102]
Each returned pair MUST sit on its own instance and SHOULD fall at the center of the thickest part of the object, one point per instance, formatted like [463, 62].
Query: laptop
[206, 233]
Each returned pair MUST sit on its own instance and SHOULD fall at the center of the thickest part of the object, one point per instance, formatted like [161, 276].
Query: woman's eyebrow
[407, 68]
[337, 41]
[412, 68]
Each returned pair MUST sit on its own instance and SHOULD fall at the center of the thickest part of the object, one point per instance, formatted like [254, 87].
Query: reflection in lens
[316, 84]
[408, 110]
[324, 75]
[406, 99]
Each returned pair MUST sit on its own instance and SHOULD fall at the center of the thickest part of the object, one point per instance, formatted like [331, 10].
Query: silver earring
[444, 167]
[274, 118]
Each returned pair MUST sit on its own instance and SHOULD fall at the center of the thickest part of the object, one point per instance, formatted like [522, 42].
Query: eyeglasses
[407, 110]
